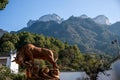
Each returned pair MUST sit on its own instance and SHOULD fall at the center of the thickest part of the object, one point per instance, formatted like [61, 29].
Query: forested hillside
[69, 57]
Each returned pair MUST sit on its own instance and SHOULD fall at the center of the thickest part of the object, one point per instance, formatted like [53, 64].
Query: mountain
[85, 32]
[46, 18]
[115, 28]
[84, 16]
[51, 17]
[2, 32]
[101, 19]
[30, 22]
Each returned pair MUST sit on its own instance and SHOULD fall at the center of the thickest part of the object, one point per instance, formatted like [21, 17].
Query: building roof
[4, 54]
[3, 57]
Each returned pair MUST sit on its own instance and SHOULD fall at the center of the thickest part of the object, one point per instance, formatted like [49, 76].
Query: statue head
[19, 59]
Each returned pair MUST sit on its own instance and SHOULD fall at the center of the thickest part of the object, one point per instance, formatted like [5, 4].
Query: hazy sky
[18, 12]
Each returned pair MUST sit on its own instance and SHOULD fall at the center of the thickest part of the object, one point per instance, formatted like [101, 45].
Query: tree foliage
[3, 4]
[69, 56]
[7, 46]
[5, 74]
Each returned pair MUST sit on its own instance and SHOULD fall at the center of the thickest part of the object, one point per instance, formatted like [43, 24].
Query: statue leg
[28, 74]
[53, 63]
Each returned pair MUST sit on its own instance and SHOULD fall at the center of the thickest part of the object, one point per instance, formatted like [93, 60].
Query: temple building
[6, 60]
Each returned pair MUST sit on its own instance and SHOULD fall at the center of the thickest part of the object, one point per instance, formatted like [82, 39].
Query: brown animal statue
[29, 52]
[37, 73]
[32, 72]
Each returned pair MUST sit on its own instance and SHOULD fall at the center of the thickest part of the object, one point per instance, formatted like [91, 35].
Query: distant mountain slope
[115, 28]
[2, 32]
[83, 31]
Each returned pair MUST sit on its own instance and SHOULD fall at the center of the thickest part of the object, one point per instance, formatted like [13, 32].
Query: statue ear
[14, 52]
[14, 59]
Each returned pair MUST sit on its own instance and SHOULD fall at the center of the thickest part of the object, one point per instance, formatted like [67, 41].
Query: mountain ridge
[100, 19]
[2, 32]
[85, 32]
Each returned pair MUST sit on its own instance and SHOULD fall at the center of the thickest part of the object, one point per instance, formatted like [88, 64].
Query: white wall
[73, 75]
[107, 75]
[116, 68]
[8, 62]
[113, 74]
[13, 66]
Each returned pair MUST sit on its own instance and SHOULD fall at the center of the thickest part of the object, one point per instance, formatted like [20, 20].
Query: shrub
[5, 74]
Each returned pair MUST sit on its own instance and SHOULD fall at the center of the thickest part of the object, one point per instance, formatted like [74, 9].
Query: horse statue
[29, 52]
[25, 57]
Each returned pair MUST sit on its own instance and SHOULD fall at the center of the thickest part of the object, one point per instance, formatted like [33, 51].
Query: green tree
[5, 37]
[7, 46]
[14, 38]
[3, 4]
[39, 40]
[4, 73]
[69, 56]
[26, 37]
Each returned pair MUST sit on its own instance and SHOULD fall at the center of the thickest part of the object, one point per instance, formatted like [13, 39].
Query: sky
[18, 12]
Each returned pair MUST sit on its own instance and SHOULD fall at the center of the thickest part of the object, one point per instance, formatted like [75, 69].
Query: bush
[5, 74]
[18, 77]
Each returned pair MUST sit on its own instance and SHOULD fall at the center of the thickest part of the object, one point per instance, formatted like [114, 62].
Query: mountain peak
[51, 17]
[83, 16]
[30, 22]
[101, 19]
[45, 18]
